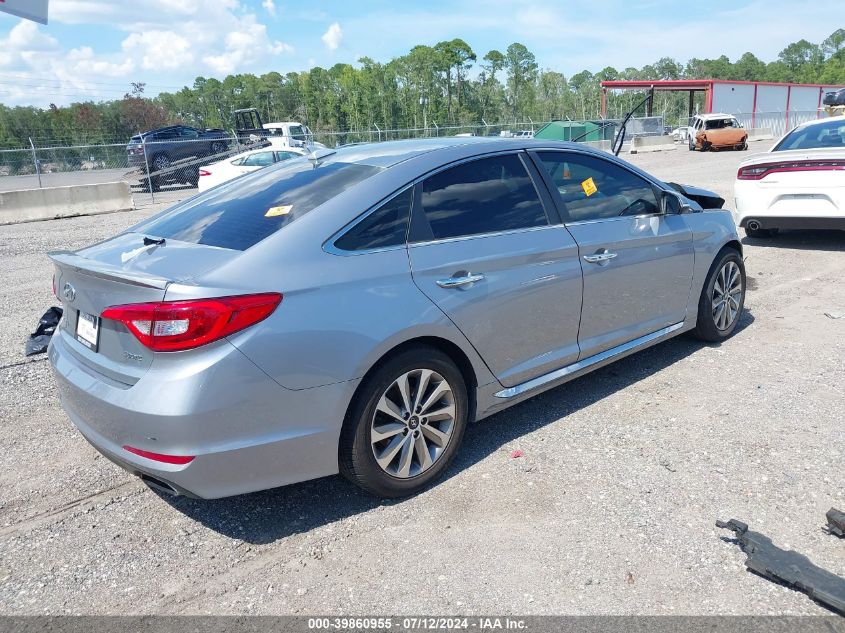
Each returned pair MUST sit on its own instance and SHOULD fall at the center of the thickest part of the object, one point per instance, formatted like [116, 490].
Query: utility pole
[424, 104]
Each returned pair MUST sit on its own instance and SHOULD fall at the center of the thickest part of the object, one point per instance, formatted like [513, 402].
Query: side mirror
[672, 204]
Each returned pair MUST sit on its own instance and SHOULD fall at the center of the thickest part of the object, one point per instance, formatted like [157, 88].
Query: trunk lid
[122, 270]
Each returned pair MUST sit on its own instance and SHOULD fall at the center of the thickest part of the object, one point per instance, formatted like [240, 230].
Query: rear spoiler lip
[94, 268]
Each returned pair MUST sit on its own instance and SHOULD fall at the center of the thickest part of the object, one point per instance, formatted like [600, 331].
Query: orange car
[717, 131]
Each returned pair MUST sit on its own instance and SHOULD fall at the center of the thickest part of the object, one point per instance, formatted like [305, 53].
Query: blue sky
[92, 49]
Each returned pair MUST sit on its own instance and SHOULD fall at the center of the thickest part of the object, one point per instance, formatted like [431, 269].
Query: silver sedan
[353, 310]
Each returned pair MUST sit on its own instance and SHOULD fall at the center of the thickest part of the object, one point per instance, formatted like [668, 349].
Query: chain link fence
[166, 171]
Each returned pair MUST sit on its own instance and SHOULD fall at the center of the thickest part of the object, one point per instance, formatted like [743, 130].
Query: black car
[169, 144]
[835, 98]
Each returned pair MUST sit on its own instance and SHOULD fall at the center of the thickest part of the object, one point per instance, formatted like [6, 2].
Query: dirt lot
[611, 509]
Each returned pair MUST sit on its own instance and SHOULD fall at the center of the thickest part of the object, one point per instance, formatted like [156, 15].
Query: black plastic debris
[836, 522]
[787, 567]
[40, 339]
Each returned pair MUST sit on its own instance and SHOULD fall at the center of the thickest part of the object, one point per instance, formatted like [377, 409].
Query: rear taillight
[204, 172]
[171, 326]
[757, 172]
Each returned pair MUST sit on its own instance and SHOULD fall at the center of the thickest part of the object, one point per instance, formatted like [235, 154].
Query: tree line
[447, 84]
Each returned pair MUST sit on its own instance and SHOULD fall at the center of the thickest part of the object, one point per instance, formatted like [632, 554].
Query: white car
[798, 184]
[234, 166]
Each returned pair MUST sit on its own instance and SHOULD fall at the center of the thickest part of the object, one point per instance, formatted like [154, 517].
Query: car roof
[839, 117]
[389, 153]
[715, 115]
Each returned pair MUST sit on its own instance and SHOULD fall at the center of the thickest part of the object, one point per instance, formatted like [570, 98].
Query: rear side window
[246, 210]
[593, 189]
[384, 227]
[489, 195]
[259, 159]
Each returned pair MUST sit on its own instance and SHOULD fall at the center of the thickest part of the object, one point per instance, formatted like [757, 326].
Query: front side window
[259, 159]
[592, 188]
[384, 227]
[244, 211]
[489, 195]
[296, 132]
[188, 132]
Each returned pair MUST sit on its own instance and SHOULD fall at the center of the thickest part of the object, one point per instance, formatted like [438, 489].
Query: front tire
[218, 147]
[722, 298]
[405, 425]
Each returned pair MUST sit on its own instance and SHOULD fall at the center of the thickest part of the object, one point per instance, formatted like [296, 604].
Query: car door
[188, 142]
[637, 261]
[483, 249]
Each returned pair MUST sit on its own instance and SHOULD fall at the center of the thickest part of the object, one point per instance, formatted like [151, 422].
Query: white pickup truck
[289, 134]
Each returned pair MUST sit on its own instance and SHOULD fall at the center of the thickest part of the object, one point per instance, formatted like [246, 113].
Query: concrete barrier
[652, 144]
[27, 205]
[602, 145]
[760, 134]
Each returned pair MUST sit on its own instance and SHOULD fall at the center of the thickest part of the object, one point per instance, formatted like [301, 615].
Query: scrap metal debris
[40, 339]
[836, 522]
[787, 567]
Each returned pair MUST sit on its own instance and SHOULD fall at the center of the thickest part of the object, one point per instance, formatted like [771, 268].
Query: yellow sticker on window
[589, 186]
[272, 212]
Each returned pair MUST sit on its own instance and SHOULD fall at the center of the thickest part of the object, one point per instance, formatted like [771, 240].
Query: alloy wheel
[727, 294]
[413, 423]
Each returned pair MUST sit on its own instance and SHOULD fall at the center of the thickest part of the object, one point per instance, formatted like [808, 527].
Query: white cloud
[163, 50]
[332, 37]
[270, 7]
[244, 47]
[176, 40]
[25, 44]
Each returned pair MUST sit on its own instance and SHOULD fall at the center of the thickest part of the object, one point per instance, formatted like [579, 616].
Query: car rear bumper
[136, 160]
[788, 207]
[794, 222]
[246, 432]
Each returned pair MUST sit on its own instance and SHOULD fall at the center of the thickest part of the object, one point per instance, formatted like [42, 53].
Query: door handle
[457, 282]
[598, 258]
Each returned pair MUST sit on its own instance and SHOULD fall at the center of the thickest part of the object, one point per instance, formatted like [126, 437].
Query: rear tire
[414, 450]
[722, 298]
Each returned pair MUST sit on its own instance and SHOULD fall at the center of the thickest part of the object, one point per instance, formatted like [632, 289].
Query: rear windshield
[243, 212]
[829, 134]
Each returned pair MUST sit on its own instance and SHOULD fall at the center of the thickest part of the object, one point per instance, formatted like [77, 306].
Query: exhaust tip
[159, 485]
[754, 225]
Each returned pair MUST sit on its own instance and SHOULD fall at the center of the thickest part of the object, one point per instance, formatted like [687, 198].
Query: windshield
[828, 134]
[244, 211]
[718, 124]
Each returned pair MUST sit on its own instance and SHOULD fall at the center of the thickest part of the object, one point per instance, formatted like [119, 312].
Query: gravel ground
[611, 509]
